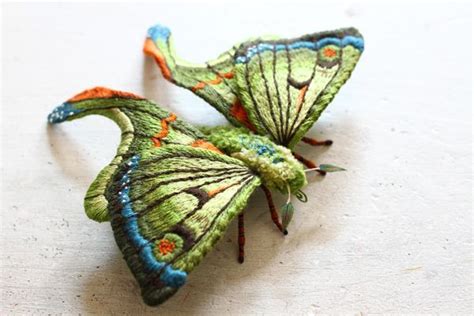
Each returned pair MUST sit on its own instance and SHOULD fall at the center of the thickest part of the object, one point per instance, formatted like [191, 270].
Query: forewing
[170, 206]
[144, 125]
[284, 85]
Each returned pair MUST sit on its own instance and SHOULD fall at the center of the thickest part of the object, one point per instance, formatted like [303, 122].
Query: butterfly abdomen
[273, 163]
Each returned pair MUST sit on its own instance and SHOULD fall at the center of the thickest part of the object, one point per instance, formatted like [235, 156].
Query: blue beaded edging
[171, 277]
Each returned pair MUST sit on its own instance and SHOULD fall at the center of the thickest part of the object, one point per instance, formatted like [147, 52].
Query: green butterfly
[172, 189]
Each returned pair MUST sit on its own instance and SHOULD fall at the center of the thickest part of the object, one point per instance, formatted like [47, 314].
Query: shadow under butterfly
[172, 189]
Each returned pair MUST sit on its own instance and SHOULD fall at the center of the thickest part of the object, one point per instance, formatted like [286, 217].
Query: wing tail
[159, 45]
[142, 123]
[213, 81]
[85, 103]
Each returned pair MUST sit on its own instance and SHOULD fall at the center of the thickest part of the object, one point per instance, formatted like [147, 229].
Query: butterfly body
[274, 164]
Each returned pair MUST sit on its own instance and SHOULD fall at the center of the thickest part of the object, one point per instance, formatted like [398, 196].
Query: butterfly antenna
[325, 168]
[308, 163]
[289, 193]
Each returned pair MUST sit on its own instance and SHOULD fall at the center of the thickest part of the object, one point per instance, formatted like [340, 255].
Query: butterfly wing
[143, 124]
[170, 206]
[168, 193]
[284, 85]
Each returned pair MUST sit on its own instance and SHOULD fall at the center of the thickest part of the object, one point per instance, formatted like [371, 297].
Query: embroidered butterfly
[172, 189]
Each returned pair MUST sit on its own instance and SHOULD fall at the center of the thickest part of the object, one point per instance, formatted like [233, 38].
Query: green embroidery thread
[172, 189]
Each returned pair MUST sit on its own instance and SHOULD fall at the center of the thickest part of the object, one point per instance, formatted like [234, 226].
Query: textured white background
[392, 234]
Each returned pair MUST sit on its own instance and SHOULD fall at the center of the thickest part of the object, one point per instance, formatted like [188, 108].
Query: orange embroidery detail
[151, 50]
[102, 92]
[165, 247]
[199, 86]
[164, 130]
[329, 52]
[238, 111]
[218, 190]
[299, 101]
[218, 80]
[199, 143]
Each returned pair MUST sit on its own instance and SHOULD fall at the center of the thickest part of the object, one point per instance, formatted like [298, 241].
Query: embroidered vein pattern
[200, 179]
[255, 106]
[277, 93]
[305, 73]
[296, 71]
[174, 277]
[314, 82]
[268, 98]
[325, 77]
[169, 202]
[172, 190]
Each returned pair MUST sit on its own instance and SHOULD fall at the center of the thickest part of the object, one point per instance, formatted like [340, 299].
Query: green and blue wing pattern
[140, 121]
[284, 85]
[168, 193]
[170, 206]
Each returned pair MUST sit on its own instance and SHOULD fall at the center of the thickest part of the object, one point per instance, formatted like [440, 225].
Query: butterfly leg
[315, 142]
[273, 212]
[241, 238]
[308, 163]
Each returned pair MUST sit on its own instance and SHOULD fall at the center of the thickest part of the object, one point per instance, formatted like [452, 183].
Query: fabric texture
[274, 87]
[172, 189]
[168, 193]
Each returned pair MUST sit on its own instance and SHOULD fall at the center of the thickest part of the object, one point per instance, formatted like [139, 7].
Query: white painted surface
[392, 234]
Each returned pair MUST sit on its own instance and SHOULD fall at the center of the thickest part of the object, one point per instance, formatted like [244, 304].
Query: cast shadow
[154, 86]
[68, 155]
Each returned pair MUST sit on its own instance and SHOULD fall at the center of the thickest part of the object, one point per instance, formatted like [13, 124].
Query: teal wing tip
[158, 32]
[173, 277]
[357, 42]
[354, 38]
[62, 113]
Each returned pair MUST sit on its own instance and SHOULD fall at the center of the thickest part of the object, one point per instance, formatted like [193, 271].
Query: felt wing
[170, 206]
[284, 85]
[143, 124]
[168, 193]
[275, 87]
